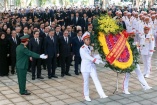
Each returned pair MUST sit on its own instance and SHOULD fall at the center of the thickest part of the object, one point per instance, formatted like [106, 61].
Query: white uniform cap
[85, 35]
[128, 13]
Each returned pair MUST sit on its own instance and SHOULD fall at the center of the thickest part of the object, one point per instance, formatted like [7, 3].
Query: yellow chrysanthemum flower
[107, 24]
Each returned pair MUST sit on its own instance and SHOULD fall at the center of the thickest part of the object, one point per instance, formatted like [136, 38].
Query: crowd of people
[53, 32]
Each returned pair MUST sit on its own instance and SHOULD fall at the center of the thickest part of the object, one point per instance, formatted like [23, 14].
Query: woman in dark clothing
[4, 68]
[4, 28]
[8, 35]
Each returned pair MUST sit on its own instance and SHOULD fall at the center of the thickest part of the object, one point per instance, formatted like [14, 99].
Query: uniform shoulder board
[83, 46]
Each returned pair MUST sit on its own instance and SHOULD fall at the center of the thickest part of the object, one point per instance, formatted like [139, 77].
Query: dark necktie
[52, 39]
[66, 40]
[37, 41]
[145, 35]
[88, 47]
[80, 39]
[14, 40]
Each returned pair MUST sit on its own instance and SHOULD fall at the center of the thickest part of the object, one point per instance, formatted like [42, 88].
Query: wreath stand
[117, 83]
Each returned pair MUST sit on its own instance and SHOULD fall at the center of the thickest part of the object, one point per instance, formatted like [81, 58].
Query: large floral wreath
[115, 45]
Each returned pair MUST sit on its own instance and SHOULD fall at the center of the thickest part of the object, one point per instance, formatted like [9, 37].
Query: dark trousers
[65, 64]
[51, 65]
[77, 62]
[58, 61]
[44, 63]
[71, 57]
[13, 62]
[36, 65]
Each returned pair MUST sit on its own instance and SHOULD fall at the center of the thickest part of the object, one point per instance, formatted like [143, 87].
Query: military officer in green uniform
[22, 60]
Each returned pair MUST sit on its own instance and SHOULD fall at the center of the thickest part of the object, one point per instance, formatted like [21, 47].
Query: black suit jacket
[50, 47]
[64, 47]
[12, 46]
[76, 44]
[84, 23]
[72, 35]
[59, 35]
[37, 48]
[70, 21]
[46, 16]
[77, 23]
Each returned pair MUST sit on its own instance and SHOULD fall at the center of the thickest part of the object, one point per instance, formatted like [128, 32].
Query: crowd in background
[53, 32]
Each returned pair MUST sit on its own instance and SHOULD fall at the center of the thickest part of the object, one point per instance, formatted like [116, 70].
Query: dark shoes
[49, 77]
[62, 75]
[26, 93]
[68, 74]
[54, 76]
[76, 73]
[40, 77]
[33, 78]
[12, 72]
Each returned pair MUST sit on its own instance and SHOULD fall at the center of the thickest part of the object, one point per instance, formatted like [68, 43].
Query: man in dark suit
[77, 43]
[71, 19]
[31, 15]
[41, 34]
[71, 36]
[25, 31]
[65, 53]
[35, 45]
[46, 15]
[18, 30]
[84, 22]
[121, 23]
[22, 14]
[52, 14]
[77, 20]
[38, 14]
[14, 41]
[58, 34]
[51, 50]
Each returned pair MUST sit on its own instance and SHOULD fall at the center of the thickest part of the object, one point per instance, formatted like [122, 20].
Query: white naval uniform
[141, 26]
[128, 24]
[140, 78]
[154, 30]
[124, 18]
[146, 49]
[88, 68]
[135, 27]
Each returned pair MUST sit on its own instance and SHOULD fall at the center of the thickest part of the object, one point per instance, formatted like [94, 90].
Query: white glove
[43, 56]
[98, 61]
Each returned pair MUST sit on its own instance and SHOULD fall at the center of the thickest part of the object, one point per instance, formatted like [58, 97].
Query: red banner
[117, 49]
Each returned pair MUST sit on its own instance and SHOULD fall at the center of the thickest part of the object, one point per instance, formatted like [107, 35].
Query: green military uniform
[22, 61]
[91, 37]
